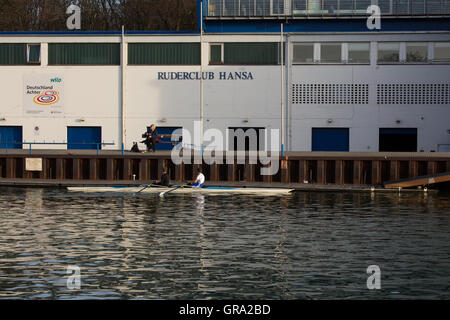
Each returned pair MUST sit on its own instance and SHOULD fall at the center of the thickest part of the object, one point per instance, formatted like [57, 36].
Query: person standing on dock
[200, 180]
[150, 138]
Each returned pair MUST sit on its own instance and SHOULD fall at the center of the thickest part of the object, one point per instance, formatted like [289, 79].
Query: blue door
[11, 137]
[330, 139]
[84, 138]
[165, 143]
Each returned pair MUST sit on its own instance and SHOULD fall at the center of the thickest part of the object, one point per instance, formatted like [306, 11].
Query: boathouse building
[314, 69]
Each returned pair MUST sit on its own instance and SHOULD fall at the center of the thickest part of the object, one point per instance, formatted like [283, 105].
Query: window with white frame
[388, 52]
[359, 52]
[331, 53]
[216, 53]
[33, 53]
[303, 53]
[416, 52]
[441, 52]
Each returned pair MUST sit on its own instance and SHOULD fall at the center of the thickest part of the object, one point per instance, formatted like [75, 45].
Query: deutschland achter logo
[47, 98]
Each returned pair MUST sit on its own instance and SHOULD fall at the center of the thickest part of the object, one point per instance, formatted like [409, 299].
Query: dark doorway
[398, 140]
[245, 139]
[330, 139]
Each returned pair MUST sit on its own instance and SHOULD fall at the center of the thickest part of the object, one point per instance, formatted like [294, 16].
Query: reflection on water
[303, 246]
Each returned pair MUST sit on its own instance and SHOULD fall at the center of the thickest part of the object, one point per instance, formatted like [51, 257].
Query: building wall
[92, 95]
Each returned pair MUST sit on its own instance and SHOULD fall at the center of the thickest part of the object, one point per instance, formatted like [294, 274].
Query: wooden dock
[309, 168]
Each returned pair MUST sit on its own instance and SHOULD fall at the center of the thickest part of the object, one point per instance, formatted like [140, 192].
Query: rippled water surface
[303, 246]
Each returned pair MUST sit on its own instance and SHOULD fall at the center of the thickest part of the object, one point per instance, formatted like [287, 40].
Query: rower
[200, 180]
[165, 179]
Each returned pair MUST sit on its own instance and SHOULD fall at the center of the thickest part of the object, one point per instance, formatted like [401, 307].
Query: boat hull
[209, 190]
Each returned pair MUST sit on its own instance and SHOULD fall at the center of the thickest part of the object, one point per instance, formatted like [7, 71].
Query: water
[303, 246]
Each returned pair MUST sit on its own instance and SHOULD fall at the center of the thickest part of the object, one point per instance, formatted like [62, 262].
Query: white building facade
[354, 90]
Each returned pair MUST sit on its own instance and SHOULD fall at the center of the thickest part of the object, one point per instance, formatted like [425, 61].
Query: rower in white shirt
[200, 180]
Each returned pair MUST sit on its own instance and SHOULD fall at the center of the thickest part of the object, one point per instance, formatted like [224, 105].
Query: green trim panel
[13, 54]
[84, 54]
[185, 53]
[251, 53]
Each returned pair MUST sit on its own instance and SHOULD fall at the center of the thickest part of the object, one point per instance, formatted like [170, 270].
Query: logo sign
[43, 95]
[374, 280]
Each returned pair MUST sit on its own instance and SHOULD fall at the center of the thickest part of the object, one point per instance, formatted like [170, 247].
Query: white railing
[271, 8]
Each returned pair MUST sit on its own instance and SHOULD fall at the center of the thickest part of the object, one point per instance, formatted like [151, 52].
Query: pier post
[45, 165]
[214, 172]
[110, 169]
[321, 172]
[179, 173]
[431, 167]
[339, 172]
[231, 172]
[249, 172]
[394, 170]
[357, 172]
[284, 167]
[448, 166]
[413, 169]
[144, 173]
[93, 169]
[302, 171]
[76, 169]
[127, 169]
[59, 169]
[10, 168]
[376, 172]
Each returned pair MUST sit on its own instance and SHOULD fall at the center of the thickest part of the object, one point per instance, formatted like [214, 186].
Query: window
[34, 53]
[84, 54]
[359, 52]
[256, 53]
[185, 53]
[416, 52]
[14, 53]
[442, 52]
[388, 52]
[330, 53]
[216, 53]
[303, 53]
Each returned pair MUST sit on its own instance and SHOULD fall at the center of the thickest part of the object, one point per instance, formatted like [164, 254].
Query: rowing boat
[183, 190]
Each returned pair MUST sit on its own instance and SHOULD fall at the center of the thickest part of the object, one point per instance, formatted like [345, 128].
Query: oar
[148, 186]
[162, 194]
